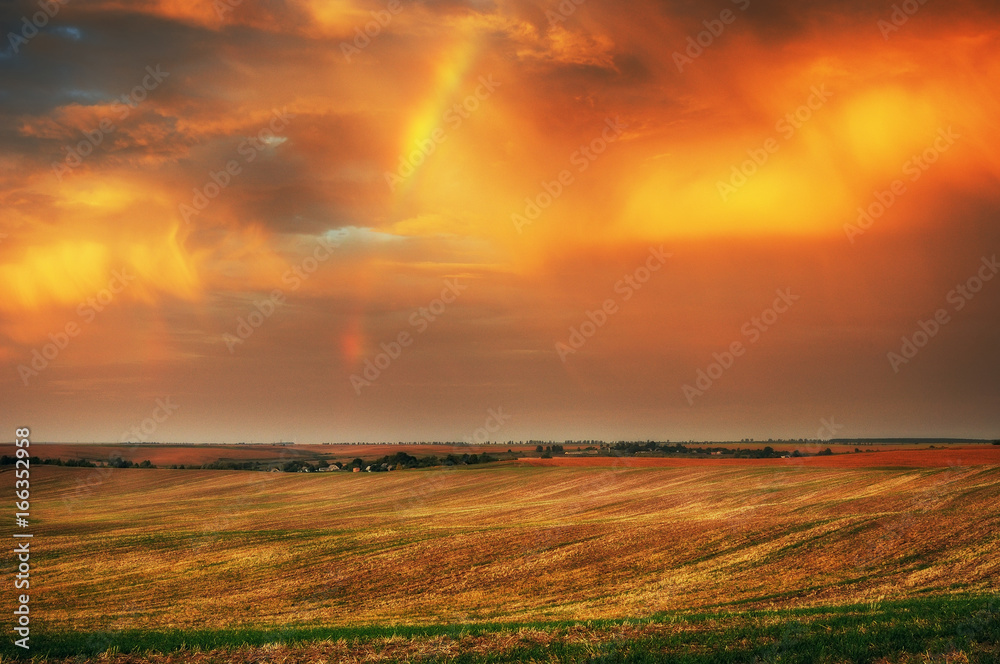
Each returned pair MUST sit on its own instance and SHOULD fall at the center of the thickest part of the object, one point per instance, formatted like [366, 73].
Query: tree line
[117, 462]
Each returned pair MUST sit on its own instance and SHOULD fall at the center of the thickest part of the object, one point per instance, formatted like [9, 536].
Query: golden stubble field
[157, 548]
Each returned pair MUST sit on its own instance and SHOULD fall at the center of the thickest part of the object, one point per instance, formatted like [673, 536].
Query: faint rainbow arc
[450, 73]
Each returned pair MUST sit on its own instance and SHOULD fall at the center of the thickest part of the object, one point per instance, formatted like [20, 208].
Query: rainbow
[451, 72]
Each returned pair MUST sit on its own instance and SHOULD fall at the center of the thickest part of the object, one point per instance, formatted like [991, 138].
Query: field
[952, 629]
[514, 543]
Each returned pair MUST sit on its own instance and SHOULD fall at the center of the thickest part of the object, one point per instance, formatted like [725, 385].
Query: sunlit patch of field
[162, 548]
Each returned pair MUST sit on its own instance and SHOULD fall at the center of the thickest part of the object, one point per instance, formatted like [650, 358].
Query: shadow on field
[936, 629]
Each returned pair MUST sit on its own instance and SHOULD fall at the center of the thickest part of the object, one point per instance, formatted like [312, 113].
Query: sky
[403, 220]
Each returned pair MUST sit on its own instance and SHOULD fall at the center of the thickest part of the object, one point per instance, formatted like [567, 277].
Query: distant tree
[539, 449]
[119, 462]
[826, 452]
